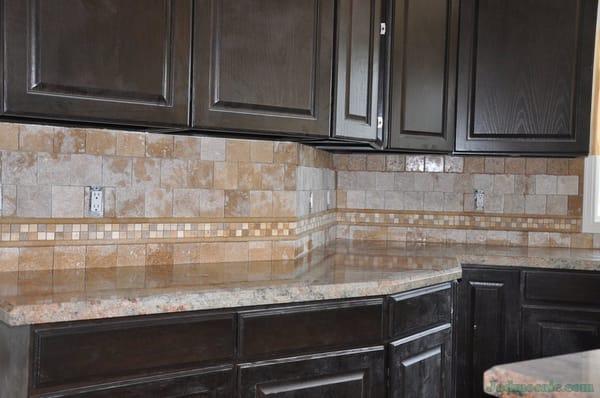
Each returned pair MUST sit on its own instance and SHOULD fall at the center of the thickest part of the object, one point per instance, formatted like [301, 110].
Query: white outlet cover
[96, 201]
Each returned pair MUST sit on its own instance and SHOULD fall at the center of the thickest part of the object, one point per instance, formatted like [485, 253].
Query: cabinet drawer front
[420, 309]
[562, 287]
[211, 383]
[98, 351]
[311, 327]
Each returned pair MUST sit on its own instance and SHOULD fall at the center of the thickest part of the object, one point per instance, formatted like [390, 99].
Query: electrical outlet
[96, 201]
[328, 200]
[479, 199]
[310, 202]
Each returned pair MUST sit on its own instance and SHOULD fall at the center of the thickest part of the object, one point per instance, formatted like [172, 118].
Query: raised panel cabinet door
[206, 383]
[263, 66]
[525, 76]
[553, 331]
[358, 49]
[122, 62]
[423, 74]
[358, 373]
[421, 364]
[487, 324]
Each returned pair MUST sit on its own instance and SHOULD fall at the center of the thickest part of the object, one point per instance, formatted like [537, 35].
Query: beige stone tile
[284, 250]
[9, 259]
[284, 204]
[67, 202]
[200, 173]
[213, 149]
[535, 204]
[131, 255]
[524, 184]
[238, 150]
[476, 236]
[434, 163]
[424, 182]
[219, 252]
[567, 185]
[131, 144]
[187, 147]
[514, 204]
[494, 203]
[261, 151]
[9, 200]
[36, 138]
[212, 203]
[454, 164]
[456, 236]
[494, 165]
[397, 234]
[34, 201]
[69, 257]
[249, 176]
[260, 250]
[557, 205]
[497, 238]
[355, 199]
[130, 202]
[558, 166]
[36, 258]
[514, 166]
[116, 171]
[445, 182]
[100, 142]
[357, 162]
[272, 177]
[576, 166]
[86, 170]
[173, 173]
[340, 161]
[159, 254]
[290, 177]
[9, 136]
[384, 181]
[186, 202]
[452, 201]
[394, 200]
[596, 241]
[159, 203]
[545, 184]
[261, 204]
[19, 168]
[504, 184]
[237, 203]
[415, 163]
[159, 146]
[474, 164]
[341, 199]
[375, 162]
[582, 241]
[536, 166]
[413, 200]
[517, 238]
[484, 182]
[145, 173]
[225, 175]
[54, 169]
[395, 162]
[434, 201]
[286, 152]
[110, 202]
[575, 206]
[185, 253]
[67, 140]
[363, 232]
[559, 240]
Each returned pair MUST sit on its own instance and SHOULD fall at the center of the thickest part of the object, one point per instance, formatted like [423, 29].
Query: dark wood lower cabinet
[356, 373]
[421, 364]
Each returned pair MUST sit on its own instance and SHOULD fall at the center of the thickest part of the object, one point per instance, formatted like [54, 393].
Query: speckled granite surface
[564, 376]
[341, 269]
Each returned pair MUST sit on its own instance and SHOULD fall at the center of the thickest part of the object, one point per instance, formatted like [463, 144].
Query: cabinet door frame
[582, 92]
[416, 140]
[209, 114]
[22, 98]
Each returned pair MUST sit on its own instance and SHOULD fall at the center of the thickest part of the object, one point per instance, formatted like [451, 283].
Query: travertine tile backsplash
[182, 199]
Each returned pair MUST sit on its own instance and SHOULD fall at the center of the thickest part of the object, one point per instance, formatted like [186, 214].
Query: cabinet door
[525, 75]
[214, 383]
[263, 66]
[357, 71]
[421, 365]
[423, 74]
[552, 331]
[345, 374]
[487, 325]
[124, 62]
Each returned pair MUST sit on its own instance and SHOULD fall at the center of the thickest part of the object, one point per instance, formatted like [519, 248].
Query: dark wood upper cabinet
[122, 62]
[525, 75]
[423, 75]
[358, 49]
[263, 66]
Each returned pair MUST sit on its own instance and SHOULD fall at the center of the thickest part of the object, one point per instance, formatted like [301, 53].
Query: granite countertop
[572, 375]
[341, 269]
